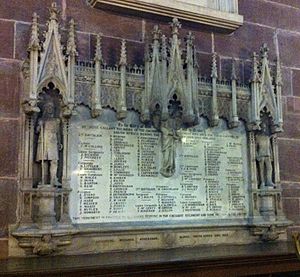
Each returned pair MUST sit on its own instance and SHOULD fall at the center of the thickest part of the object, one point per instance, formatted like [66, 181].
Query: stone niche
[145, 157]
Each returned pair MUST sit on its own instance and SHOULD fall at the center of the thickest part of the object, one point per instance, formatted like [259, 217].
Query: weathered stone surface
[296, 105]
[111, 49]
[296, 82]
[9, 88]
[290, 104]
[226, 69]
[291, 3]
[288, 42]
[291, 190]
[289, 153]
[7, 39]
[291, 208]
[107, 23]
[8, 204]
[23, 10]
[291, 126]
[9, 150]
[3, 248]
[238, 43]
[258, 11]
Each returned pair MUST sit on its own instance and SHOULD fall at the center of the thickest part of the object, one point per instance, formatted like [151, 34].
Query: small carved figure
[46, 246]
[169, 138]
[49, 143]
[264, 156]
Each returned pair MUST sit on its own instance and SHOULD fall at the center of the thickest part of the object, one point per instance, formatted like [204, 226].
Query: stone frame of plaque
[145, 157]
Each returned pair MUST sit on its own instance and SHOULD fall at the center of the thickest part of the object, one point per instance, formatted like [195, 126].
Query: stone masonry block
[244, 41]
[9, 150]
[7, 39]
[8, 205]
[289, 159]
[9, 88]
[291, 209]
[270, 14]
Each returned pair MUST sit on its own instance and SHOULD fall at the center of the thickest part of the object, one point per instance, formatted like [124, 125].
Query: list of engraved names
[116, 176]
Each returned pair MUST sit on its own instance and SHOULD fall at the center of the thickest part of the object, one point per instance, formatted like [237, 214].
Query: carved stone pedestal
[46, 201]
[267, 206]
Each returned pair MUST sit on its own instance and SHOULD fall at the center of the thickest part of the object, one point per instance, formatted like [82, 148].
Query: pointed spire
[175, 25]
[255, 75]
[123, 57]
[233, 71]
[147, 52]
[54, 12]
[189, 45]
[98, 50]
[71, 45]
[214, 70]
[34, 43]
[164, 52]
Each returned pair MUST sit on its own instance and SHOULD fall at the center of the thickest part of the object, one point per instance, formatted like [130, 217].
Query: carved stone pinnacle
[71, 45]
[98, 50]
[233, 71]
[123, 57]
[214, 71]
[34, 43]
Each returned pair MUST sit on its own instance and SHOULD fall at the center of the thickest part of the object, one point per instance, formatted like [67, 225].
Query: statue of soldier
[264, 156]
[169, 139]
[49, 143]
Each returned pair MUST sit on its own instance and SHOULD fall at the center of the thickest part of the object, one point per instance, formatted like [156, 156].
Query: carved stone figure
[49, 143]
[169, 138]
[264, 156]
[46, 246]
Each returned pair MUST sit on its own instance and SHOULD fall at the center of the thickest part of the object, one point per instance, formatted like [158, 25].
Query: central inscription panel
[116, 174]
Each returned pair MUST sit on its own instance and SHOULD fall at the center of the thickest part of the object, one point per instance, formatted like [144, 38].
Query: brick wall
[264, 20]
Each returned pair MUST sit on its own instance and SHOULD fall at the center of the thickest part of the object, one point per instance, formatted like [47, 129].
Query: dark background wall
[263, 21]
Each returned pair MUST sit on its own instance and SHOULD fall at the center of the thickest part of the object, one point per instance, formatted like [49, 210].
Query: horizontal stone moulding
[218, 14]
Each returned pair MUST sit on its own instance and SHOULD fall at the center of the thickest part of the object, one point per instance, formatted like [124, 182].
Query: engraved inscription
[116, 175]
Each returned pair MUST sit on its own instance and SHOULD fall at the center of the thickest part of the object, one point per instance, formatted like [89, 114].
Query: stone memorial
[144, 157]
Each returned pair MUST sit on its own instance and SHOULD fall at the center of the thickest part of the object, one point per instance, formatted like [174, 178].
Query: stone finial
[54, 12]
[71, 45]
[34, 43]
[233, 70]
[214, 70]
[98, 50]
[264, 50]
[255, 75]
[190, 38]
[189, 44]
[196, 64]
[175, 25]
[156, 32]
[123, 56]
[164, 52]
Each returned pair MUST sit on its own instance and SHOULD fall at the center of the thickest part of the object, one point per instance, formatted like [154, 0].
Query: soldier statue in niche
[49, 144]
[264, 156]
[170, 135]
